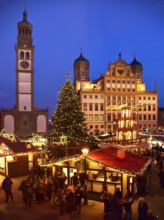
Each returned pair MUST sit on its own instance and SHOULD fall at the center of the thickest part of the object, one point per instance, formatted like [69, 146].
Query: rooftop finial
[25, 14]
[119, 56]
[81, 51]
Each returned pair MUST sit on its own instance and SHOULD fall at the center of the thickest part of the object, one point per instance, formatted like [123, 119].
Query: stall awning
[131, 163]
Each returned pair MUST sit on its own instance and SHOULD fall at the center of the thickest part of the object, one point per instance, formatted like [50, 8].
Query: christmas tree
[68, 119]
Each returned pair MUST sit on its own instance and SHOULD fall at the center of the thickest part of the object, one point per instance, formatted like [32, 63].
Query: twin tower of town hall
[122, 84]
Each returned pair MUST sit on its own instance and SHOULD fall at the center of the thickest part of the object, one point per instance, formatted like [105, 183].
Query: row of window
[146, 117]
[24, 55]
[93, 107]
[93, 96]
[119, 97]
[141, 126]
[120, 81]
[100, 107]
[120, 90]
[24, 31]
[95, 117]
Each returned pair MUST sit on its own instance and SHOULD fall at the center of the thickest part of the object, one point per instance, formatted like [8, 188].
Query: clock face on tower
[24, 64]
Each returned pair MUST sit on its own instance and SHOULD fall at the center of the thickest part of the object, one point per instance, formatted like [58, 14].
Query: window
[108, 89]
[128, 82]
[91, 126]
[101, 126]
[149, 107]
[101, 117]
[90, 96]
[118, 81]
[149, 117]
[90, 107]
[144, 98]
[21, 55]
[153, 98]
[144, 117]
[90, 117]
[85, 96]
[25, 108]
[96, 117]
[140, 98]
[109, 117]
[101, 107]
[113, 81]
[96, 96]
[96, 107]
[123, 81]
[85, 106]
[27, 55]
[82, 72]
[133, 90]
[101, 96]
[133, 82]
[153, 117]
[108, 81]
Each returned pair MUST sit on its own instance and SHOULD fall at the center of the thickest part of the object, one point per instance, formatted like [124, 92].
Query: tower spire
[25, 15]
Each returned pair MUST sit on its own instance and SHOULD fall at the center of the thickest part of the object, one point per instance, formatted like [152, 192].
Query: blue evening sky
[102, 28]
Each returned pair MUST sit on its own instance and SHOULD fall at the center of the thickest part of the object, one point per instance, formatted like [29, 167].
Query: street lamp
[85, 153]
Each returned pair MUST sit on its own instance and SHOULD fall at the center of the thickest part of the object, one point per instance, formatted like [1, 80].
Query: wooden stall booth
[16, 158]
[109, 166]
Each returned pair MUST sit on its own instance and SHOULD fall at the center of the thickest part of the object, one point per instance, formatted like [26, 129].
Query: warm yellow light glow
[85, 151]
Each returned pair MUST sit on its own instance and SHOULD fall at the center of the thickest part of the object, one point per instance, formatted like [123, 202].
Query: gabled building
[122, 84]
[24, 118]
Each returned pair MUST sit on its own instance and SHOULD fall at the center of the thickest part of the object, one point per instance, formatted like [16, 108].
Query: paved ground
[47, 211]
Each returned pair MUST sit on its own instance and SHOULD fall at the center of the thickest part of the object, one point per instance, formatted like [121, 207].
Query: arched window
[27, 55]
[41, 123]
[21, 55]
[9, 123]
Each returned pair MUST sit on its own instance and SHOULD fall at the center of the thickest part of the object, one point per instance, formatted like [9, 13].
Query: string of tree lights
[68, 118]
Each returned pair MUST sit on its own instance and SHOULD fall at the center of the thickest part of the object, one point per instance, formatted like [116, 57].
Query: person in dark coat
[142, 209]
[7, 187]
[128, 201]
[78, 197]
[75, 179]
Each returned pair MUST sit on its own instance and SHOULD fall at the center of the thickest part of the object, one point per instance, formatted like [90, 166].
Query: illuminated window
[91, 117]
[101, 117]
[96, 117]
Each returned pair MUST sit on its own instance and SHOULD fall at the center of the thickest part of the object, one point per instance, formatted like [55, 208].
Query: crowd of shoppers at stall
[40, 186]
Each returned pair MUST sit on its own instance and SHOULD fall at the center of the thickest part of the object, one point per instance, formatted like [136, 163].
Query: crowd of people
[117, 207]
[40, 186]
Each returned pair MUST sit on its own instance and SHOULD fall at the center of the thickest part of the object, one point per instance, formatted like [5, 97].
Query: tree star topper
[68, 75]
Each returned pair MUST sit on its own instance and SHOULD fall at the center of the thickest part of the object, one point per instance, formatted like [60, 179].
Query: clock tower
[24, 118]
[24, 66]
